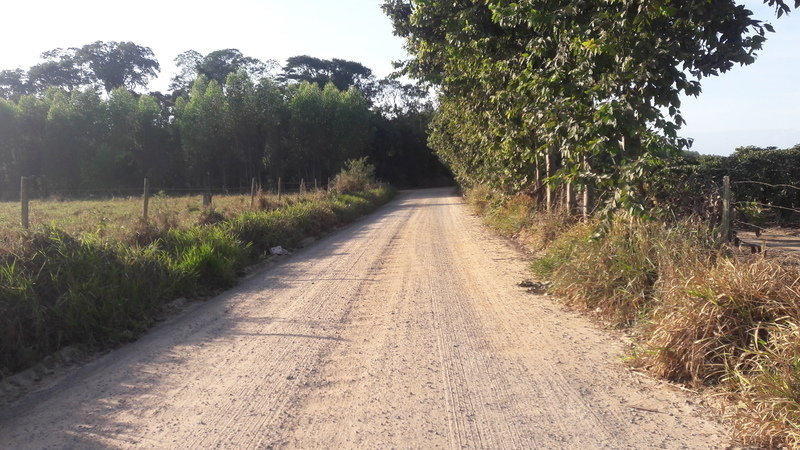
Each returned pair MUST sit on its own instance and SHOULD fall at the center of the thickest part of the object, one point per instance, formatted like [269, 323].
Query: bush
[357, 175]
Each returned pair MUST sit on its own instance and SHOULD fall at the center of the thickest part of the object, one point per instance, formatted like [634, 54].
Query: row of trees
[569, 92]
[231, 122]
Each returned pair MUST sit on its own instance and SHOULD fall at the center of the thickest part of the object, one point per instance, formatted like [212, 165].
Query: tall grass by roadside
[58, 289]
[701, 315]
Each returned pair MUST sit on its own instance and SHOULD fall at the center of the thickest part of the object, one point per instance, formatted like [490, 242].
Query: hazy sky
[758, 105]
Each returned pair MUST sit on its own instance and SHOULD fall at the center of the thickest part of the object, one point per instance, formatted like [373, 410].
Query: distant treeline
[76, 122]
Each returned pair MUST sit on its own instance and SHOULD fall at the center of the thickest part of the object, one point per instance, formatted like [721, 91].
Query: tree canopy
[342, 73]
[593, 85]
[109, 65]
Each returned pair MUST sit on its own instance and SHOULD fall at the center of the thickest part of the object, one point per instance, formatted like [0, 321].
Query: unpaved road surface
[405, 329]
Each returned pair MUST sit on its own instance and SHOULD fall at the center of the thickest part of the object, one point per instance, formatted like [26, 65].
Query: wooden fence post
[207, 200]
[146, 199]
[587, 201]
[725, 226]
[23, 199]
[252, 193]
[279, 188]
[316, 186]
[570, 198]
[302, 186]
[548, 161]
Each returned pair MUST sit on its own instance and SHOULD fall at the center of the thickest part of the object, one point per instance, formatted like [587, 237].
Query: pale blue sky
[758, 105]
[752, 105]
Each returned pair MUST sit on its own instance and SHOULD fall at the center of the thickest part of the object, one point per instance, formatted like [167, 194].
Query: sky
[757, 104]
[753, 105]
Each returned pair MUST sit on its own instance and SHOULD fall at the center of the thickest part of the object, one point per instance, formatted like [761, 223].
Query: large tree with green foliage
[341, 73]
[593, 85]
[118, 64]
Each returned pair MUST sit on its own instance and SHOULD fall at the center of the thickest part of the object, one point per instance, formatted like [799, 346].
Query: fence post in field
[548, 162]
[725, 226]
[252, 193]
[316, 186]
[328, 186]
[23, 199]
[279, 188]
[570, 198]
[302, 186]
[146, 199]
[587, 200]
[207, 200]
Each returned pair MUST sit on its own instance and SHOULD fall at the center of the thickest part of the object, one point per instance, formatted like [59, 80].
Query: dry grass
[701, 315]
[518, 217]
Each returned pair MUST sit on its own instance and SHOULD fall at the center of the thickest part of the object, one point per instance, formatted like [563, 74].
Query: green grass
[85, 286]
[118, 218]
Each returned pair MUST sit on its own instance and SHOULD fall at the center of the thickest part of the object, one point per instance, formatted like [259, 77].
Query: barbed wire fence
[749, 214]
[30, 190]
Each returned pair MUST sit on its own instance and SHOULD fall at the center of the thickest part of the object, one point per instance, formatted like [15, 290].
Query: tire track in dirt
[511, 370]
[405, 329]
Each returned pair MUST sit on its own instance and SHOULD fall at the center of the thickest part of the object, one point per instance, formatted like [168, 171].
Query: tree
[187, 64]
[593, 85]
[394, 98]
[245, 122]
[342, 73]
[68, 157]
[118, 64]
[59, 68]
[13, 84]
[8, 145]
[216, 65]
[327, 127]
[204, 131]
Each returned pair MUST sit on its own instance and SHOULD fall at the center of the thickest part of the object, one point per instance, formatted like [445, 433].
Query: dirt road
[405, 329]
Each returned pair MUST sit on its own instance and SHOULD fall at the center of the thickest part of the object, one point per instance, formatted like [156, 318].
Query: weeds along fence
[32, 190]
[751, 205]
[723, 202]
[759, 204]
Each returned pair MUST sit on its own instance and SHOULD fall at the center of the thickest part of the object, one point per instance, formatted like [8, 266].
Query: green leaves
[597, 82]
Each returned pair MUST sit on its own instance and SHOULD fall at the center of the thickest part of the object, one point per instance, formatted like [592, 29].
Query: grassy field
[118, 218]
[92, 273]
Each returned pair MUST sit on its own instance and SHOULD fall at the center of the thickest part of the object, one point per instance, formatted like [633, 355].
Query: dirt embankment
[405, 329]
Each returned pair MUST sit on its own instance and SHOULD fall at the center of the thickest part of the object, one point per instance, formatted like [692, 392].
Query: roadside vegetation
[709, 317]
[99, 288]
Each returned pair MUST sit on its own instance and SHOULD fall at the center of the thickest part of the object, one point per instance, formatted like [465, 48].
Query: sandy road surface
[405, 329]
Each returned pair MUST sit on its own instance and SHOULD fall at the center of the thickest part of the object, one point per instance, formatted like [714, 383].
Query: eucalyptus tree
[327, 127]
[205, 133]
[8, 145]
[70, 160]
